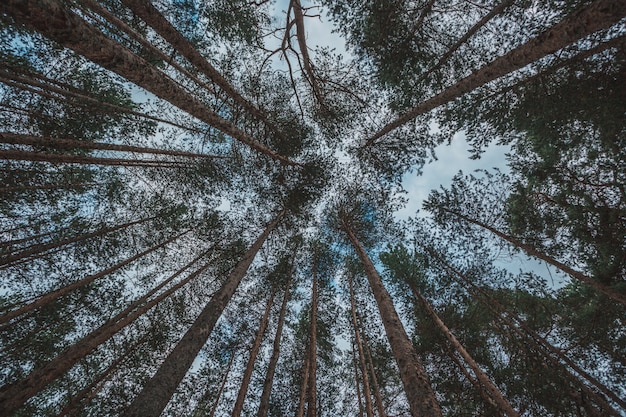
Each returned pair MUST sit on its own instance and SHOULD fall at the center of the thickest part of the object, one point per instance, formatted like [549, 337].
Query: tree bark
[601, 14]
[495, 393]
[380, 406]
[44, 247]
[419, 393]
[53, 20]
[598, 286]
[54, 295]
[14, 395]
[247, 375]
[264, 402]
[304, 385]
[357, 382]
[357, 337]
[20, 139]
[157, 392]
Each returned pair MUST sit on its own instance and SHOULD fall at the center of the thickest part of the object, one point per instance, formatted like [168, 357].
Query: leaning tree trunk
[264, 402]
[598, 286]
[380, 406]
[599, 15]
[247, 375]
[157, 392]
[13, 396]
[56, 294]
[489, 386]
[222, 385]
[304, 385]
[357, 337]
[419, 393]
[74, 33]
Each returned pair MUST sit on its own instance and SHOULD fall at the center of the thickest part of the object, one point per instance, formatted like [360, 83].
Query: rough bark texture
[312, 397]
[247, 375]
[53, 20]
[20, 139]
[495, 393]
[157, 392]
[54, 295]
[598, 286]
[13, 396]
[264, 402]
[44, 247]
[417, 386]
[357, 337]
[601, 14]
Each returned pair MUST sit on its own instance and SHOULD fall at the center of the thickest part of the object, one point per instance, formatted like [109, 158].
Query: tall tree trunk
[380, 406]
[357, 337]
[312, 397]
[489, 386]
[151, 15]
[54, 295]
[305, 383]
[20, 139]
[520, 327]
[14, 395]
[72, 32]
[44, 247]
[223, 384]
[247, 375]
[601, 14]
[419, 393]
[264, 402]
[598, 286]
[481, 391]
[157, 392]
[357, 382]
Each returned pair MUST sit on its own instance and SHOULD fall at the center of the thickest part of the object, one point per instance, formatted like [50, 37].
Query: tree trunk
[304, 385]
[598, 286]
[53, 20]
[264, 402]
[44, 247]
[223, 384]
[489, 386]
[151, 15]
[380, 406]
[54, 295]
[357, 337]
[13, 396]
[419, 393]
[481, 391]
[531, 337]
[52, 158]
[19, 139]
[357, 381]
[312, 397]
[157, 392]
[601, 14]
[247, 375]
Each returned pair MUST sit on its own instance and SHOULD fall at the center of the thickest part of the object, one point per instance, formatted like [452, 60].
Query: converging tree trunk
[157, 392]
[422, 400]
[247, 374]
[600, 14]
[312, 397]
[357, 337]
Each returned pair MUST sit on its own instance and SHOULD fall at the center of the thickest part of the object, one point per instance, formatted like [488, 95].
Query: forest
[199, 208]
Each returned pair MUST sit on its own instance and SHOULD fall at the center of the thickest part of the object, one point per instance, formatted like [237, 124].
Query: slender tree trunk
[74, 33]
[53, 158]
[264, 403]
[380, 406]
[357, 381]
[157, 392]
[44, 247]
[19, 139]
[14, 395]
[223, 384]
[54, 295]
[600, 14]
[489, 386]
[357, 337]
[419, 393]
[151, 15]
[247, 375]
[481, 391]
[304, 52]
[520, 327]
[305, 383]
[312, 397]
[598, 286]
